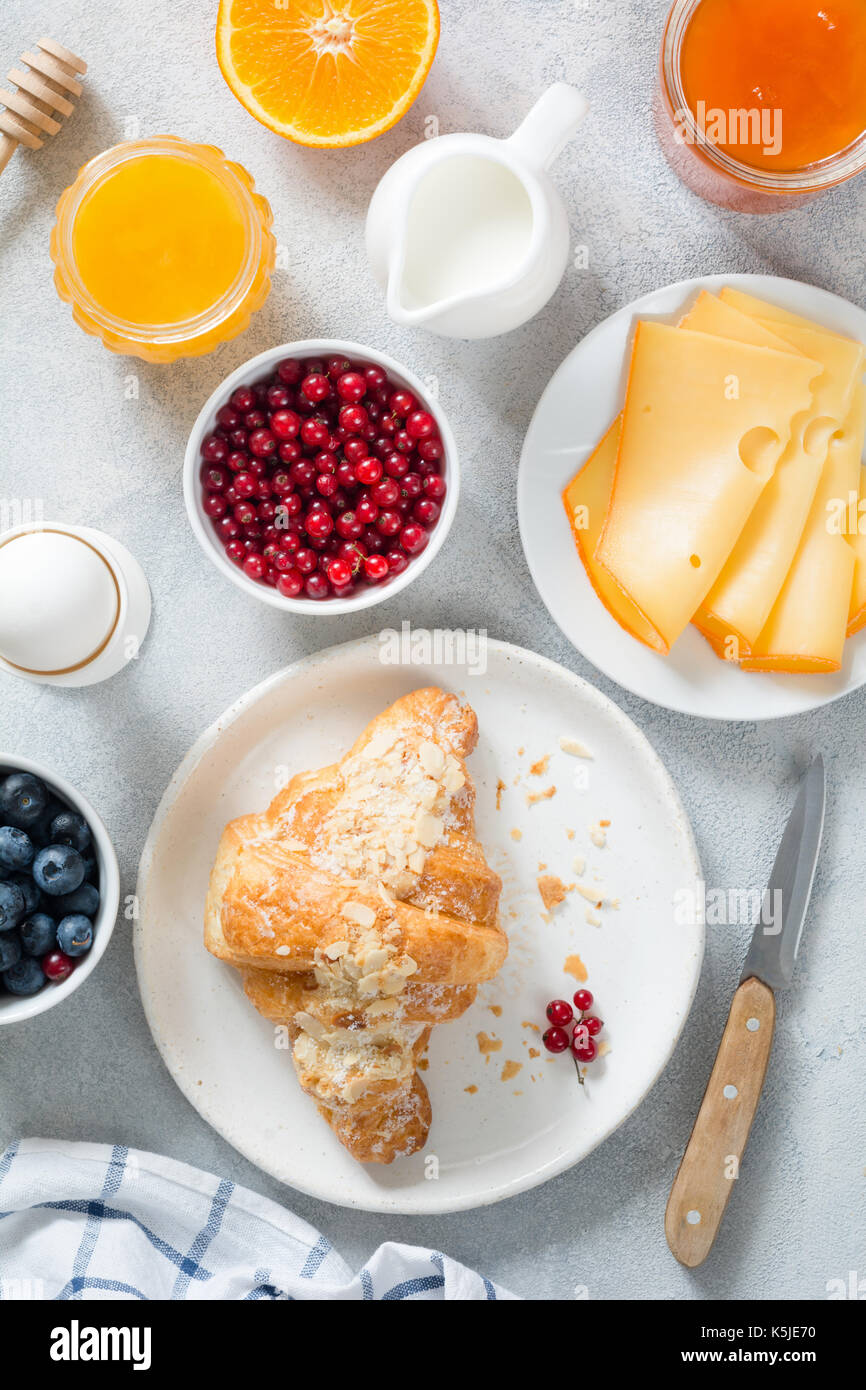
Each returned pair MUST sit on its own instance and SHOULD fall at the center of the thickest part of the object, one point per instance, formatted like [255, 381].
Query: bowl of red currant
[321, 476]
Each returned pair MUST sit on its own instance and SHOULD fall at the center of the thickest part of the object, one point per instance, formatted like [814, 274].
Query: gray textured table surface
[71, 437]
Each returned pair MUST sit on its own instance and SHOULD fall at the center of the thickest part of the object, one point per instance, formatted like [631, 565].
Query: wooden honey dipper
[43, 93]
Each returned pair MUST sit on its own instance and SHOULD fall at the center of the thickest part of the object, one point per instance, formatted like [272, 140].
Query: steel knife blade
[777, 935]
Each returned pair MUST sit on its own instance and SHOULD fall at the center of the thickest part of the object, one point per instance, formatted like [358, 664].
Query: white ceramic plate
[506, 1135]
[577, 407]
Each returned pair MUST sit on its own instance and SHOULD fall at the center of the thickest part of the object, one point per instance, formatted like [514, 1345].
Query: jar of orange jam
[163, 249]
[762, 103]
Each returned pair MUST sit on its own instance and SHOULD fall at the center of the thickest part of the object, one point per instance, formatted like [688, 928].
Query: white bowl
[247, 375]
[14, 1008]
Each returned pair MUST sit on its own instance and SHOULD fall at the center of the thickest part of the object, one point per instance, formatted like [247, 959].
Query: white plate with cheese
[574, 414]
[506, 1115]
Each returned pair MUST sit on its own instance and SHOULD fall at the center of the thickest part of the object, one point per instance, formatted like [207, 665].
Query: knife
[711, 1162]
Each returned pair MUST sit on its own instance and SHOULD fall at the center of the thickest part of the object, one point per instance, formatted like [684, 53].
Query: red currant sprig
[587, 1027]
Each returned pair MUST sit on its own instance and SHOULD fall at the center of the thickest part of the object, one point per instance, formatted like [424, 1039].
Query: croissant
[360, 911]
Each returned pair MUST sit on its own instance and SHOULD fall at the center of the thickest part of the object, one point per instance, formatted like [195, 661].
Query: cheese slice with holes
[705, 422]
[739, 604]
[806, 629]
[857, 533]
[587, 496]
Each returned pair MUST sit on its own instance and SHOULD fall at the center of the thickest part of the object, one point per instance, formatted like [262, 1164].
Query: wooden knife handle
[711, 1162]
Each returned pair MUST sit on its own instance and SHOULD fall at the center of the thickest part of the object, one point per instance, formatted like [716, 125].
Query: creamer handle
[550, 125]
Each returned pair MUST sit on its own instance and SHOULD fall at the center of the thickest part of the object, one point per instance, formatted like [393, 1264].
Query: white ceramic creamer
[74, 604]
[466, 234]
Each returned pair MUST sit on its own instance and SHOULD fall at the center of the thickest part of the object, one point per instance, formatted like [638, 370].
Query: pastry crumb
[471, 1090]
[598, 833]
[552, 889]
[592, 895]
[574, 747]
[533, 797]
[423, 1064]
[592, 918]
[500, 788]
[575, 966]
[520, 752]
[534, 1052]
[578, 865]
[603, 1048]
[534, 1026]
[538, 769]
[487, 1045]
[495, 1009]
[570, 834]
[510, 1070]
[516, 834]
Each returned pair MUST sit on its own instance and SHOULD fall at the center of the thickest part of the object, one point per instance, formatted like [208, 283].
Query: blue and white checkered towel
[88, 1221]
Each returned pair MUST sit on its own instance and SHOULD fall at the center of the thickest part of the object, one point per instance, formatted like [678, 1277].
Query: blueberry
[40, 833]
[91, 872]
[85, 899]
[23, 798]
[24, 978]
[10, 950]
[67, 828]
[32, 894]
[75, 934]
[11, 906]
[16, 848]
[38, 934]
[58, 869]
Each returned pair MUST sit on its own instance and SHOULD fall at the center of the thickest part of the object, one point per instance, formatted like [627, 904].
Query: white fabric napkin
[92, 1221]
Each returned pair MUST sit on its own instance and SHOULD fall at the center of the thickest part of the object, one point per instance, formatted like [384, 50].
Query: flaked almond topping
[578, 864]
[296, 846]
[416, 861]
[376, 959]
[428, 829]
[574, 747]
[336, 949]
[432, 758]
[360, 913]
[379, 1007]
[310, 1025]
[283, 951]
[591, 894]
[454, 778]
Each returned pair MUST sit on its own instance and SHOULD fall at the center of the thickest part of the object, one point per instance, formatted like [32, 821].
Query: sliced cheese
[739, 604]
[857, 534]
[806, 629]
[587, 496]
[705, 422]
[586, 501]
[762, 308]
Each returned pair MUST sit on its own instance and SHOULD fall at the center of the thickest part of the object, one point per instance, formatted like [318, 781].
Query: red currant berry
[262, 443]
[435, 487]
[243, 399]
[214, 449]
[385, 493]
[353, 419]
[57, 966]
[425, 511]
[413, 538]
[368, 471]
[582, 1045]
[339, 573]
[582, 1000]
[374, 376]
[316, 585]
[316, 387]
[397, 561]
[351, 387]
[336, 366]
[289, 371]
[420, 425]
[255, 566]
[315, 434]
[402, 403]
[236, 552]
[555, 1040]
[389, 523]
[560, 1012]
[376, 568]
[592, 1025]
[285, 424]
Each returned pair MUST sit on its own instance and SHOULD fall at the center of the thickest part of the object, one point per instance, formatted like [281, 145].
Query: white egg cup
[132, 616]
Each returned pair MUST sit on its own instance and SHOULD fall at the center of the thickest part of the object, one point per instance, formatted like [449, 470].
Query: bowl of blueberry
[321, 477]
[59, 889]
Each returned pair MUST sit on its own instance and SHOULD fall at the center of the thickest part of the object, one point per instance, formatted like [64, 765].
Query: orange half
[327, 73]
